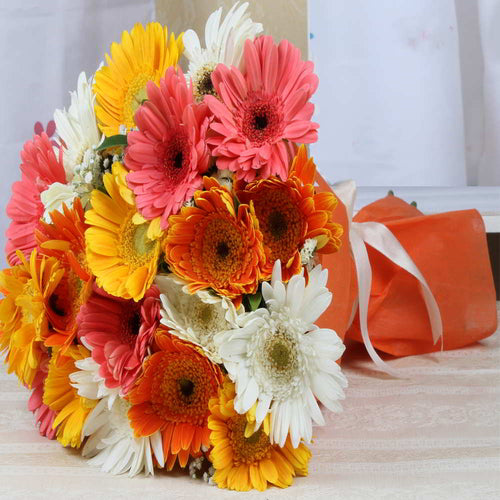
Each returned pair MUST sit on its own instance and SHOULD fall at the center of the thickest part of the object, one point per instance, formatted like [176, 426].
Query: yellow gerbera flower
[122, 247]
[120, 87]
[244, 459]
[29, 290]
[59, 395]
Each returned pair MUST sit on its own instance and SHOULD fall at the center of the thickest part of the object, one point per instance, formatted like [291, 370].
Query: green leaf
[254, 300]
[113, 142]
[390, 192]
[414, 203]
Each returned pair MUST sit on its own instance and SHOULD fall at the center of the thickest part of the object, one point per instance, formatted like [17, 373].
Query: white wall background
[409, 91]
[43, 48]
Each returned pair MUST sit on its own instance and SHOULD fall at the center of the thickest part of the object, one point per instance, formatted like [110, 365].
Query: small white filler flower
[224, 44]
[280, 359]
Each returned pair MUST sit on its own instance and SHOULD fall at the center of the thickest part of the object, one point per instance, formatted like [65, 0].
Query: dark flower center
[261, 119]
[134, 323]
[57, 305]
[260, 122]
[222, 249]
[205, 85]
[277, 224]
[255, 437]
[178, 160]
[176, 155]
[186, 387]
[131, 324]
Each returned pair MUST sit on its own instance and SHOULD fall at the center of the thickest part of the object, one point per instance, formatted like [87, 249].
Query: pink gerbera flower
[118, 332]
[44, 416]
[168, 154]
[261, 108]
[40, 167]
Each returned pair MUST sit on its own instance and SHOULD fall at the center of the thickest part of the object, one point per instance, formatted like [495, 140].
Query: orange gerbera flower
[64, 239]
[216, 245]
[244, 459]
[290, 212]
[172, 396]
[25, 312]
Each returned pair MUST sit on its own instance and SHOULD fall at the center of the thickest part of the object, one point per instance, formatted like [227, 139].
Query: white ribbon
[378, 236]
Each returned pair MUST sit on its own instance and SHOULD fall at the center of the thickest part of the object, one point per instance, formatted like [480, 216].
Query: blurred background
[409, 93]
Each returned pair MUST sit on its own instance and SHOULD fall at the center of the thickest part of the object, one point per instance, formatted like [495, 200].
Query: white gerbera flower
[54, 197]
[112, 444]
[281, 360]
[196, 317]
[89, 384]
[77, 128]
[224, 44]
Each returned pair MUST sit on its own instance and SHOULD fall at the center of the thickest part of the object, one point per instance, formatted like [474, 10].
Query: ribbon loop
[380, 237]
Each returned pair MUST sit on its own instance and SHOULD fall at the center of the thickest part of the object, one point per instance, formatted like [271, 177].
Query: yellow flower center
[135, 96]
[136, 248]
[280, 355]
[202, 82]
[250, 449]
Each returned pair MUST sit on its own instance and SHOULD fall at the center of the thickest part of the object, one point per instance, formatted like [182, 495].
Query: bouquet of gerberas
[164, 282]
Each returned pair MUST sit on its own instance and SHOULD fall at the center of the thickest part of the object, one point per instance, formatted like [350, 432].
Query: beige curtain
[281, 18]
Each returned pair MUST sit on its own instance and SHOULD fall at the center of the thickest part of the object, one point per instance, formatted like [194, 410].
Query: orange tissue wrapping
[451, 252]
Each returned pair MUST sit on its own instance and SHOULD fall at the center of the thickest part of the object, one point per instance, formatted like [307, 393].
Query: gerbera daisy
[224, 44]
[40, 168]
[112, 444]
[64, 239]
[54, 197]
[260, 110]
[90, 384]
[120, 87]
[44, 416]
[168, 154]
[172, 396]
[290, 214]
[122, 251]
[77, 128]
[280, 359]
[214, 245]
[119, 343]
[60, 396]
[196, 317]
[30, 301]
[244, 460]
